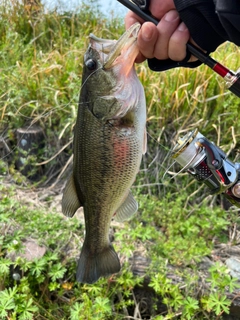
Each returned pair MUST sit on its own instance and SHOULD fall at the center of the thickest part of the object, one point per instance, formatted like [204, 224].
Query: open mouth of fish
[113, 52]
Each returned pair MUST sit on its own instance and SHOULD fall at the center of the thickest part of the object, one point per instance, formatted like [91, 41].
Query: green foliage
[172, 234]
[14, 301]
[36, 287]
[41, 66]
[30, 288]
[181, 237]
[101, 309]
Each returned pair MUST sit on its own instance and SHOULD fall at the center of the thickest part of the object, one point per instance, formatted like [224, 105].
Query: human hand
[166, 40]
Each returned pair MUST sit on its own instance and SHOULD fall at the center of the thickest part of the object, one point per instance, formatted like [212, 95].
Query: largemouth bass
[109, 140]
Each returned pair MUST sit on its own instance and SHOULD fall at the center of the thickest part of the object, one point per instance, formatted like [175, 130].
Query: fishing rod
[231, 78]
[201, 158]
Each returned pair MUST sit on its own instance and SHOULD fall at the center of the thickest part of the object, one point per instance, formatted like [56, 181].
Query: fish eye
[91, 64]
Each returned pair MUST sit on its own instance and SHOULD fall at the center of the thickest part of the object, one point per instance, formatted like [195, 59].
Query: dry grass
[41, 77]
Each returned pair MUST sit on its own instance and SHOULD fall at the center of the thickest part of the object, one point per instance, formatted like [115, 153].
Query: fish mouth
[111, 50]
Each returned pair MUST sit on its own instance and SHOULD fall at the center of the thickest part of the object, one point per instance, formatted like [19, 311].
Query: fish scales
[101, 180]
[109, 139]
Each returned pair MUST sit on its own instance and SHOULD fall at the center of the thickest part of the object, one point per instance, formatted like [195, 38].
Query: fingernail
[182, 27]
[146, 33]
[171, 15]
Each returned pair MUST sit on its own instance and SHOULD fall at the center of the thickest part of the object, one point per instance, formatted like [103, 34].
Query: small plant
[19, 304]
[216, 303]
[220, 282]
[220, 279]
[101, 309]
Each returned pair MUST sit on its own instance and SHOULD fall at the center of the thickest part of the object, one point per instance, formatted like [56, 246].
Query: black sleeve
[229, 15]
[211, 22]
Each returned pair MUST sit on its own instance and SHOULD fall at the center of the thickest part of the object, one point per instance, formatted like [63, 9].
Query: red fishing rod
[232, 79]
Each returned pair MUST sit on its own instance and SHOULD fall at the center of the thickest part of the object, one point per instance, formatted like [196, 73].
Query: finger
[160, 8]
[132, 18]
[177, 43]
[193, 58]
[147, 38]
[166, 28]
[140, 58]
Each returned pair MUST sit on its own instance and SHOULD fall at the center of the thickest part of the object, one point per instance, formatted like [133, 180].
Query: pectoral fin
[127, 209]
[70, 201]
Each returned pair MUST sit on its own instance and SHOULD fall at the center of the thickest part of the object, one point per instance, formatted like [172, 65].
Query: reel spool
[187, 152]
[208, 164]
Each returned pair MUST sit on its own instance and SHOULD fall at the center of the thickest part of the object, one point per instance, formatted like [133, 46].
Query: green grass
[41, 67]
[45, 287]
[40, 79]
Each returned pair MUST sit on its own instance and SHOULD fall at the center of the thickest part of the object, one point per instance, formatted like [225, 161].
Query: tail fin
[91, 268]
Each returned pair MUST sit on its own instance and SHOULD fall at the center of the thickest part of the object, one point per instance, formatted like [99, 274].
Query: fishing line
[189, 153]
[160, 163]
[166, 171]
[162, 146]
[36, 119]
[156, 140]
[90, 76]
[54, 109]
[44, 115]
[186, 166]
[39, 117]
[17, 145]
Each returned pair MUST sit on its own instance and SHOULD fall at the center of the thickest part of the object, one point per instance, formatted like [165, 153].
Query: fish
[109, 141]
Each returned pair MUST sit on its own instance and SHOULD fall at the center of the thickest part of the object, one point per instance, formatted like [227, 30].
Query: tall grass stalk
[41, 66]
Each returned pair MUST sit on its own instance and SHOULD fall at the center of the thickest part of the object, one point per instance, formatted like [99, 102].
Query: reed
[40, 80]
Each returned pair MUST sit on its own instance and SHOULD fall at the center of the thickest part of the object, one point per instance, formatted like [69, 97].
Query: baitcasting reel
[208, 164]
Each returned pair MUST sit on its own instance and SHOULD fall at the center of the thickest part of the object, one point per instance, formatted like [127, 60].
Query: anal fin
[70, 201]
